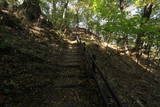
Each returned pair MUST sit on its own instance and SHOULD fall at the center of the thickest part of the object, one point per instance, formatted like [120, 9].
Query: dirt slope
[25, 53]
[136, 86]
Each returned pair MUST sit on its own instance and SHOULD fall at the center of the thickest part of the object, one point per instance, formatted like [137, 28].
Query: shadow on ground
[135, 85]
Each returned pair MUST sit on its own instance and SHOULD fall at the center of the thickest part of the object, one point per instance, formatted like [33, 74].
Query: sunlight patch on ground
[35, 31]
[5, 11]
[71, 41]
[70, 47]
[92, 38]
[54, 45]
[37, 28]
[104, 45]
[149, 69]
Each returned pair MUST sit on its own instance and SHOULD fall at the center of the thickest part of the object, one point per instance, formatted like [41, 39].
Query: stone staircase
[73, 86]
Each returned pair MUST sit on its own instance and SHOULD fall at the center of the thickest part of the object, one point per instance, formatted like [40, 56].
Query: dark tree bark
[146, 16]
[147, 11]
[121, 4]
[31, 9]
[4, 4]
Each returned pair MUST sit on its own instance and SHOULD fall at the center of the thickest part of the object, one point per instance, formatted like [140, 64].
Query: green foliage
[105, 17]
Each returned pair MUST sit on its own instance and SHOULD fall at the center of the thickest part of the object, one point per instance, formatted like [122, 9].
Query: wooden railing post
[93, 63]
[80, 40]
[84, 48]
[95, 69]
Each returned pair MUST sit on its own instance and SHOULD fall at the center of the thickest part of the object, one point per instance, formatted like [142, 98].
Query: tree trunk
[77, 14]
[65, 9]
[126, 47]
[121, 4]
[54, 11]
[3, 4]
[31, 10]
[64, 23]
[146, 15]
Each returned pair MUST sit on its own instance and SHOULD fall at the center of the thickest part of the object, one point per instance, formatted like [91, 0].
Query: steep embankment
[135, 85]
[27, 59]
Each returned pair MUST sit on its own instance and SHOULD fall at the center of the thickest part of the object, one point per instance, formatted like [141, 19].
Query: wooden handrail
[96, 69]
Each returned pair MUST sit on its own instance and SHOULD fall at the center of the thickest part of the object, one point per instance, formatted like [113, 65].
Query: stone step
[76, 97]
[69, 65]
[70, 71]
[75, 75]
[71, 53]
[70, 57]
[68, 105]
[69, 61]
[69, 81]
[72, 50]
[73, 72]
[73, 47]
[79, 86]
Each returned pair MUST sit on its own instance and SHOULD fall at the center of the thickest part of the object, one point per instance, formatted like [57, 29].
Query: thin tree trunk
[54, 9]
[121, 4]
[63, 25]
[65, 9]
[146, 15]
[108, 39]
[77, 18]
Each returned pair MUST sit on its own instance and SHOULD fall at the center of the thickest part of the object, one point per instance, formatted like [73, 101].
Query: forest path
[64, 82]
[73, 86]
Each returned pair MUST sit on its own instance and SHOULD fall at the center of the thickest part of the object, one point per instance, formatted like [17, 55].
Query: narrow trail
[73, 86]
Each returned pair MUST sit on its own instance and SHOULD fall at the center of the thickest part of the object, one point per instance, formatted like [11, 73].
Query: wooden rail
[109, 97]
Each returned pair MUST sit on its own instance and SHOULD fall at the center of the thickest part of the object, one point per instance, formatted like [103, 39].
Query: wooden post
[84, 47]
[80, 40]
[77, 39]
[93, 63]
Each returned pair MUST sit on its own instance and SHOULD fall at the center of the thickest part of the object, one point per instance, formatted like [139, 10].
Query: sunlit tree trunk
[126, 47]
[64, 23]
[65, 9]
[77, 18]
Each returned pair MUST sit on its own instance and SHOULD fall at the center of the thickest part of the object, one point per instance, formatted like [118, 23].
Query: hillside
[25, 52]
[64, 53]
[136, 85]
